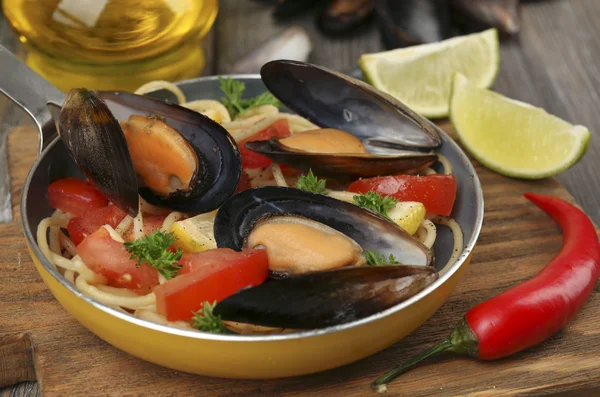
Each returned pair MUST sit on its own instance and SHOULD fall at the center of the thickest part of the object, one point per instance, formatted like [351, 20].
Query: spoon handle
[30, 91]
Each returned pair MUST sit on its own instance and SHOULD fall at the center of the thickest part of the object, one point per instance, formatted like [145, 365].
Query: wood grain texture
[16, 359]
[553, 63]
[516, 241]
[243, 25]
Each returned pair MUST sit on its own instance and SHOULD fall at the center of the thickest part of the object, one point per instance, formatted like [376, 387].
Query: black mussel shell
[217, 152]
[322, 299]
[97, 145]
[342, 16]
[238, 215]
[412, 22]
[286, 9]
[344, 166]
[483, 14]
[333, 100]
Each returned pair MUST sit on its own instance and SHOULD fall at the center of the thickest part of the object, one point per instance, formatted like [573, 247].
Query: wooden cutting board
[39, 340]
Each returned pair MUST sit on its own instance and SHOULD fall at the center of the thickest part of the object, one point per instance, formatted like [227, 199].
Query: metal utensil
[33, 94]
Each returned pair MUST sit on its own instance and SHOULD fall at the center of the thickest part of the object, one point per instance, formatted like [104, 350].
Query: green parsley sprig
[205, 320]
[374, 258]
[233, 101]
[310, 183]
[152, 250]
[375, 202]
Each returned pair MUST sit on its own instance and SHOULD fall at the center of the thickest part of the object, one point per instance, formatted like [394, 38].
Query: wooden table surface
[554, 63]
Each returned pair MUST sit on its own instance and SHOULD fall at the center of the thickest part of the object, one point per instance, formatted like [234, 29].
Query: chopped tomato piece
[152, 223]
[82, 226]
[437, 192]
[75, 196]
[210, 276]
[279, 128]
[110, 259]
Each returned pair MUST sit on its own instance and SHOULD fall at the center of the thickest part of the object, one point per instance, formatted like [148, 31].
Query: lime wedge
[421, 76]
[511, 137]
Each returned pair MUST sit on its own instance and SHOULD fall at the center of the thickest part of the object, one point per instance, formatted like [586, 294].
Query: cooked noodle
[445, 163]
[427, 233]
[124, 225]
[170, 219]
[61, 252]
[278, 175]
[211, 108]
[458, 238]
[165, 85]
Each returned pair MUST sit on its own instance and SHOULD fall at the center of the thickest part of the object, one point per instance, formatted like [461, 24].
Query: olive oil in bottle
[112, 44]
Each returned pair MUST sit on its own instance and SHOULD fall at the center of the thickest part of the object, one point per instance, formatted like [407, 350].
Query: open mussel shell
[238, 215]
[345, 166]
[97, 145]
[322, 299]
[218, 156]
[333, 100]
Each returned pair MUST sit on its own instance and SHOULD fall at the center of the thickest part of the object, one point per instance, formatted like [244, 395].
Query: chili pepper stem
[443, 346]
[462, 340]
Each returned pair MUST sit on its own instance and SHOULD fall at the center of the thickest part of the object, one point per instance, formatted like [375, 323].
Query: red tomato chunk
[110, 258]
[436, 192]
[75, 196]
[280, 129]
[82, 226]
[210, 276]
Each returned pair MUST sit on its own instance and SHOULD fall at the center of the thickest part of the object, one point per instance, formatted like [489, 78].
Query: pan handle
[31, 92]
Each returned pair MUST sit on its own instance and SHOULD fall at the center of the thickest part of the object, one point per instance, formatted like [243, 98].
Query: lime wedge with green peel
[421, 76]
[511, 137]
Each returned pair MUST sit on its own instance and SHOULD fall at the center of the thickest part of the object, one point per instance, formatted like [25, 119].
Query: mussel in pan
[95, 141]
[316, 247]
[293, 225]
[357, 120]
[324, 152]
[183, 160]
[334, 100]
[322, 299]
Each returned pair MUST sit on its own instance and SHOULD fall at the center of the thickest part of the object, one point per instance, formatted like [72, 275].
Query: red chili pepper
[528, 313]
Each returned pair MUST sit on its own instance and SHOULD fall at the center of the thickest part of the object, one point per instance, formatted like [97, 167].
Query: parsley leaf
[376, 259]
[152, 250]
[375, 202]
[311, 183]
[206, 321]
[233, 101]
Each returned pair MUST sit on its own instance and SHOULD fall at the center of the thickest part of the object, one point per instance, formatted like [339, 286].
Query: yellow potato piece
[195, 234]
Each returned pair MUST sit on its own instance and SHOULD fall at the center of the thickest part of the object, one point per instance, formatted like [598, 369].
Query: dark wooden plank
[562, 48]
[242, 25]
[209, 48]
[16, 359]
